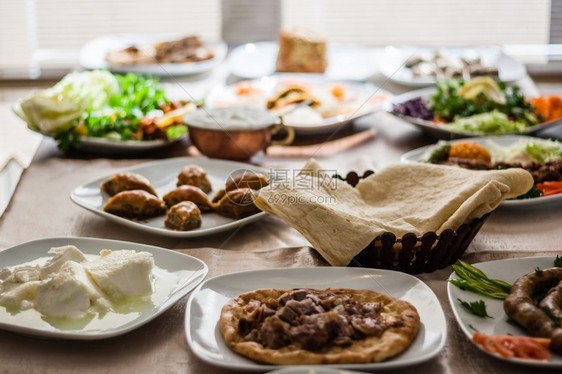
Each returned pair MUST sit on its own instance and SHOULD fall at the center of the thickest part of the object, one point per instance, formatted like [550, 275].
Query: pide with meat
[311, 326]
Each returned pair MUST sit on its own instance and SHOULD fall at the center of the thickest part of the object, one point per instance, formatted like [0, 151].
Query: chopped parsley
[477, 308]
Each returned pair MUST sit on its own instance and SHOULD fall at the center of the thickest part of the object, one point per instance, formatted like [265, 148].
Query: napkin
[340, 221]
[16, 140]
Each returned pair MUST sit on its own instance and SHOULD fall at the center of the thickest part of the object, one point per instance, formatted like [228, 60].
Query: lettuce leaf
[56, 108]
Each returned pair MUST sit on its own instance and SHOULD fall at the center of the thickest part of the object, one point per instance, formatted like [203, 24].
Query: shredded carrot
[552, 192]
[550, 187]
[555, 103]
[547, 107]
[514, 346]
[549, 184]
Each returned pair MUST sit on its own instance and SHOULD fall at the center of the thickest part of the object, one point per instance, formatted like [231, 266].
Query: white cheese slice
[20, 274]
[62, 255]
[69, 293]
[15, 296]
[122, 273]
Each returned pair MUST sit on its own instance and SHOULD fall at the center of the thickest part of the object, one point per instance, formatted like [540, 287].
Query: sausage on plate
[520, 307]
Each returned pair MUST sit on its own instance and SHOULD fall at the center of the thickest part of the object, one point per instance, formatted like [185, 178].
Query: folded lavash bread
[340, 221]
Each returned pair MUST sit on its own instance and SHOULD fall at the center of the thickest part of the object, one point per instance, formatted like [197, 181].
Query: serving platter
[360, 99]
[162, 175]
[418, 154]
[176, 275]
[104, 146]
[92, 56]
[205, 303]
[313, 370]
[345, 62]
[507, 270]
[441, 131]
[391, 63]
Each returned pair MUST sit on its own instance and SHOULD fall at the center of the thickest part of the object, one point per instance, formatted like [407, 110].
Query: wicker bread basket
[412, 253]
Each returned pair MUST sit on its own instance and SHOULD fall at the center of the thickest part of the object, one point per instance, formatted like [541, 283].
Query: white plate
[204, 307]
[104, 146]
[92, 56]
[391, 63]
[364, 98]
[163, 176]
[312, 370]
[441, 131]
[505, 141]
[177, 275]
[345, 62]
[507, 270]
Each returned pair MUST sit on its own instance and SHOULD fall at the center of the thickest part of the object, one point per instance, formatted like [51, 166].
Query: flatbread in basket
[340, 220]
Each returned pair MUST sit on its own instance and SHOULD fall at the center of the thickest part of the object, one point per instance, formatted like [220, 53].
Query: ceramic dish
[313, 370]
[345, 62]
[360, 99]
[391, 63]
[441, 131]
[176, 275]
[505, 141]
[104, 146]
[162, 175]
[507, 270]
[204, 307]
[92, 56]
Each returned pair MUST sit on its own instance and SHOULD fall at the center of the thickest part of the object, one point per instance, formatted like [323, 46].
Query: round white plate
[391, 63]
[162, 175]
[441, 131]
[104, 146]
[418, 154]
[204, 307]
[345, 62]
[313, 370]
[92, 56]
[507, 270]
[178, 275]
[367, 98]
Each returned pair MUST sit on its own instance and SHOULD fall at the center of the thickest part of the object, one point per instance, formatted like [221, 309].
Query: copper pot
[213, 135]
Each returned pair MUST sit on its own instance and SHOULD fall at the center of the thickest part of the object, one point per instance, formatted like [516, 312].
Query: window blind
[48, 34]
[427, 22]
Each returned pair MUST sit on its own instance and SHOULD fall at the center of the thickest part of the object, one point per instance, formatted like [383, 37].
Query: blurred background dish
[417, 108]
[507, 149]
[100, 112]
[332, 103]
[345, 61]
[234, 133]
[93, 56]
[397, 63]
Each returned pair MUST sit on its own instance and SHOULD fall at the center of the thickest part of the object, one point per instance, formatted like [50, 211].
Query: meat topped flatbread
[310, 326]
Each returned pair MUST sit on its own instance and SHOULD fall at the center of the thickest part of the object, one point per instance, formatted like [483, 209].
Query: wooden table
[41, 208]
